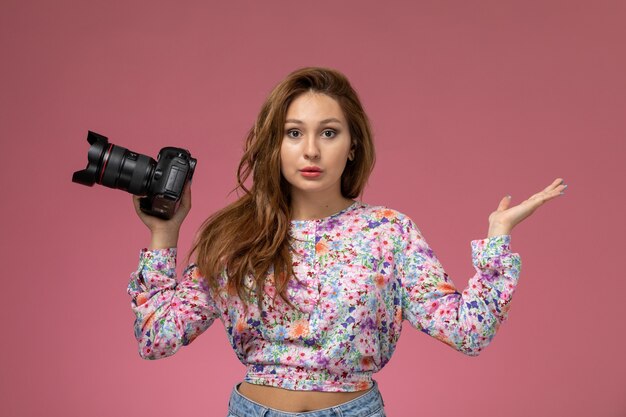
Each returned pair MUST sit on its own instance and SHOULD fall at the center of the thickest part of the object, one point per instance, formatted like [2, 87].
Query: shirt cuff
[157, 269]
[485, 250]
[163, 260]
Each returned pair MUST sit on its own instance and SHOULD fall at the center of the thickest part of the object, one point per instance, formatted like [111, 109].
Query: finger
[546, 195]
[185, 204]
[136, 203]
[504, 203]
[186, 197]
[556, 183]
[556, 190]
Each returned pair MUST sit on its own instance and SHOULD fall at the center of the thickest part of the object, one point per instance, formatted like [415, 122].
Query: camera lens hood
[95, 155]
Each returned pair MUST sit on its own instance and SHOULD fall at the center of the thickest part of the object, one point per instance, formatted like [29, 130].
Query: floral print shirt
[362, 272]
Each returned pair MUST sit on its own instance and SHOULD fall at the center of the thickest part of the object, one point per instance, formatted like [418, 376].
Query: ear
[352, 151]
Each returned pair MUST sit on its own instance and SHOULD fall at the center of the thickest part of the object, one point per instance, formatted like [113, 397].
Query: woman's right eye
[293, 134]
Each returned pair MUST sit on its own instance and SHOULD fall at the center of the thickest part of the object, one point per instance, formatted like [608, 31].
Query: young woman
[312, 286]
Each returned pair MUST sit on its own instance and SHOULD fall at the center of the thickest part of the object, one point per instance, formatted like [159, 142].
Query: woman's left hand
[505, 218]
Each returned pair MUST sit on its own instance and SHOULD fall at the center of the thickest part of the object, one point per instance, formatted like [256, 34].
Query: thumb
[504, 203]
[186, 197]
[136, 203]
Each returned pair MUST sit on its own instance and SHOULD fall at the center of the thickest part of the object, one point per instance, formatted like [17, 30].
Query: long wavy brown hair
[250, 236]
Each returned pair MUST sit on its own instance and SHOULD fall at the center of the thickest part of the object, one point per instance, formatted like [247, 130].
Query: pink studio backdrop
[469, 101]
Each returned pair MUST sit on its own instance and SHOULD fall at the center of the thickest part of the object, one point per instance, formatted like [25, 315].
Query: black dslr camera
[161, 181]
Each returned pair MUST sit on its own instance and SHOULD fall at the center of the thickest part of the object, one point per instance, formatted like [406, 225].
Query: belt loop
[264, 412]
[337, 411]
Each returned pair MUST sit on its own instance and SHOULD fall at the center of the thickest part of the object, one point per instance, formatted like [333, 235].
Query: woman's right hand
[165, 232]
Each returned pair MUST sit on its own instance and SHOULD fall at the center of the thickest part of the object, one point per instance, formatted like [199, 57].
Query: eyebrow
[322, 122]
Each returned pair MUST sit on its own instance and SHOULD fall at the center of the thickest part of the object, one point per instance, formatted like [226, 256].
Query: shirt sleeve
[467, 320]
[169, 314]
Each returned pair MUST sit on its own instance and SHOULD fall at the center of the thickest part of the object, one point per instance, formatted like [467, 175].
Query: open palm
[508, 217]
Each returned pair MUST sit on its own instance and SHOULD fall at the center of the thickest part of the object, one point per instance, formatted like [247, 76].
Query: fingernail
[508, 196]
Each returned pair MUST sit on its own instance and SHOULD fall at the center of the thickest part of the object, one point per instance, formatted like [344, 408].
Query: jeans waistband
[366, 404]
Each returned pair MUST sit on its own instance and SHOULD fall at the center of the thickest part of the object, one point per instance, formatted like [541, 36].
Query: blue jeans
[369, 404]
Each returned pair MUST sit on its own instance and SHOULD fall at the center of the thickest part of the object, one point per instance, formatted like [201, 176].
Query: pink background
[469, 101]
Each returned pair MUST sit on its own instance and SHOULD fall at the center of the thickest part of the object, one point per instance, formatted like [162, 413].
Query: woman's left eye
[329, 133]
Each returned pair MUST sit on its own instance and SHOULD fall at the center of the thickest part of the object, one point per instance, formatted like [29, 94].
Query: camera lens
[115, 167]
[126, 170]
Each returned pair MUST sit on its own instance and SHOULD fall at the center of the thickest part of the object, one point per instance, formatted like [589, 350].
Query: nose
[311, 149]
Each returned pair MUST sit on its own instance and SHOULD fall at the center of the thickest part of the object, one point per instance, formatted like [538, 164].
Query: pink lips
[311, 172]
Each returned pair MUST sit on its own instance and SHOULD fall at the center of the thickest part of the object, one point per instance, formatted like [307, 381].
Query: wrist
[498, 230]
[163, 240]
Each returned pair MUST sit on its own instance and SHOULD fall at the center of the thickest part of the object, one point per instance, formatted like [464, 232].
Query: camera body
[173, 169]
[160, 181]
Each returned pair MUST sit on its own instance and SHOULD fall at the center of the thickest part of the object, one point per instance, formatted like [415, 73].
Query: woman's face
[315, 145]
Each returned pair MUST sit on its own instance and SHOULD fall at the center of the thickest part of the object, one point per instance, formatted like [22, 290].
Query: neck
[311, 206]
